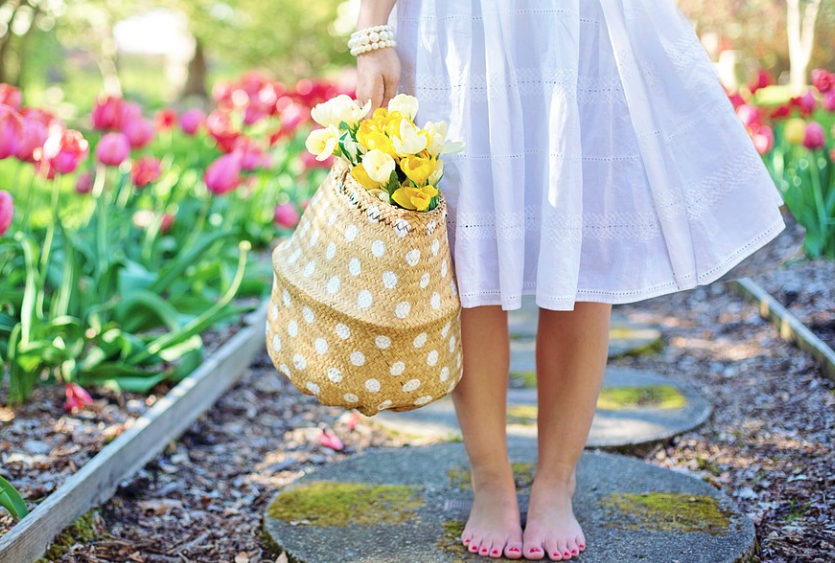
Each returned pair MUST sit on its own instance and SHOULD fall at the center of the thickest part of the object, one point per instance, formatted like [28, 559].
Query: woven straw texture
[364, 311]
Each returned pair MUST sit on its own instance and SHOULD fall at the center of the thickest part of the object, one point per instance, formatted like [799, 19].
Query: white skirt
[604, 161]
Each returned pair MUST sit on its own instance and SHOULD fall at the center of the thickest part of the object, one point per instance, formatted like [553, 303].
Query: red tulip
[191, 121]
[65, 149]
[33, 136]
[815, 137]
[113, 149]
[145, 171]
[107, 113]
[220, 127]
[832, 155]
[165, 119]
[84, 183]
[6, 211]
[781, 112]
[167, 223]
[10, 96]
[139, 131]
[763, 137]
[330, 440]
[224, 174]
[77, 397]
[286, 215]
[736, 100]
[763, 80]
[11, 129]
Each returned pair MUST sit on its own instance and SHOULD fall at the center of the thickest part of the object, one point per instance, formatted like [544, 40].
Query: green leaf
[11, 500]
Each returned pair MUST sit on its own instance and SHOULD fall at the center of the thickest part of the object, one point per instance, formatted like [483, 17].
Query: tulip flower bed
[131, 245]
[797, 141]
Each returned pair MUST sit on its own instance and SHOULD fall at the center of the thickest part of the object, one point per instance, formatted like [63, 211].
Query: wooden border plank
[172, 415]
[789, 326]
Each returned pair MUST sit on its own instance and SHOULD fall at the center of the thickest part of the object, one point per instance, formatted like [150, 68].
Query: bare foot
[494, 528]
[551, 529]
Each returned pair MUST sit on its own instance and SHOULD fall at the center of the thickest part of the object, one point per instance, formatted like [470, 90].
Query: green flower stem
[50, 238]
[27, 210]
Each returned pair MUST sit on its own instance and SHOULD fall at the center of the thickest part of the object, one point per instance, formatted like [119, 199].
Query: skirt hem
[483, 298]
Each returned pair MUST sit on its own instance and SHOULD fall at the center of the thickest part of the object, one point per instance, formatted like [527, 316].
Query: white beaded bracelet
[372, 39]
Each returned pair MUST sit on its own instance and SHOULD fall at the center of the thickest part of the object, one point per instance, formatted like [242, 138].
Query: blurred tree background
[64, 52]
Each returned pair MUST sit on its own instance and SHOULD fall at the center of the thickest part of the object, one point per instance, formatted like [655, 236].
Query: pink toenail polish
[567, 554]
[513, 549]
[574, 552]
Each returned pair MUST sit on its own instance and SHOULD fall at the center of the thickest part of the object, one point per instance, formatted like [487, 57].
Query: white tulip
[436, 175]
[378, 165]
[339, 109]
[405, 104]
[323, 142]
[410, 142]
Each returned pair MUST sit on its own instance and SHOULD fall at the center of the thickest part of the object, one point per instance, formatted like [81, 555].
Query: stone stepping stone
[410, 504]
[635, 407]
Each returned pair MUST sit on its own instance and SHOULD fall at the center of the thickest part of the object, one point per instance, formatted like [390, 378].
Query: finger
[376, 94]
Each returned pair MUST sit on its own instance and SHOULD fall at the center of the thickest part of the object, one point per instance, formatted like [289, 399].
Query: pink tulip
[130, 111]
[749, 114]
[113, 149]
[191, 121]
[251, 153]
[139, 131]
[107, 113]
[815, 137]
[828, 101]
[763, 80]
[165, 119]
[330, 440]
[84, 183]
[33, 136]
[6, 211]
[145, 171]
[77, 397]
[823, 80]
[286, 215]
[763, 137]
[10, 96]
[224, 174]
[11, 129]
[805, 103]
[65, 149]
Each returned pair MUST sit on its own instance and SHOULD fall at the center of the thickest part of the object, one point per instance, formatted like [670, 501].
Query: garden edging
[172, 415]
[789, 327]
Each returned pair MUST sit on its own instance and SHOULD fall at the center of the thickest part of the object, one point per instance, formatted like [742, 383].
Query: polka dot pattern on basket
[402, 309]
[372, 385]
[424, 280]
[313, 388]
[364, 299]
[419, 340]
[334, 374]
[293, 328]
[351, 398]
[330, 251]
[357, 358]
[397, 368]
[413, 257]
[351, 233]
[307, 313]
[423, 400]
[354, 267]
[411, 385]
[378, 248]
[343, 331]
[389, 279]
[333, 285]
[299, 361]
[321, 345]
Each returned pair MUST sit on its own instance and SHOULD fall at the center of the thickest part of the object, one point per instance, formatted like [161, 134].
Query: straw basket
[364, 311]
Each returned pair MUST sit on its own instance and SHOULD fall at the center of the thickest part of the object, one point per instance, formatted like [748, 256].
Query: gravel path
[770, 444]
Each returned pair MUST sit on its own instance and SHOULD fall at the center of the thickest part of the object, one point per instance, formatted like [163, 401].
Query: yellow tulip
[392, 124]
[377, 141]
[417, 169]
[415, 199]
[795, 131]
[360, 174]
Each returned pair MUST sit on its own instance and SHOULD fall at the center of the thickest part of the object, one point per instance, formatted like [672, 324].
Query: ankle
[492, 477]
[555, 476]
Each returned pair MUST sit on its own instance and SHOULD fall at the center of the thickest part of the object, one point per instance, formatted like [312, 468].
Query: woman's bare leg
[494, 527]
[571, 354]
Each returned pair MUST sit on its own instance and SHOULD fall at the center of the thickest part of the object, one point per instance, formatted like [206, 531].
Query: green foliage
[11, 500]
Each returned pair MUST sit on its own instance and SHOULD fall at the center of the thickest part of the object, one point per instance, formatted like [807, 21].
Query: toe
[552, 550]
[533, 550]
[486, 546]
[571, 545]
[581, 542]
[513, 550]
[466, 537]
[563, 549]
[475, 544]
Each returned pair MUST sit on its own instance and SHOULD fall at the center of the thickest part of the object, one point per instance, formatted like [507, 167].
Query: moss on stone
[339, 504]
[523, 472]
[671, 512]
[641, 397]
[82, 531]
[450, 541]
[649, 341]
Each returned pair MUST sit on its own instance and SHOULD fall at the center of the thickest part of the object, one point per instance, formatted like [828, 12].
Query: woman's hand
[378, 74]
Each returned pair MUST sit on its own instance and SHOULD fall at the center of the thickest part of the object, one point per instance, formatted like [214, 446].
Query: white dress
[604, 161]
